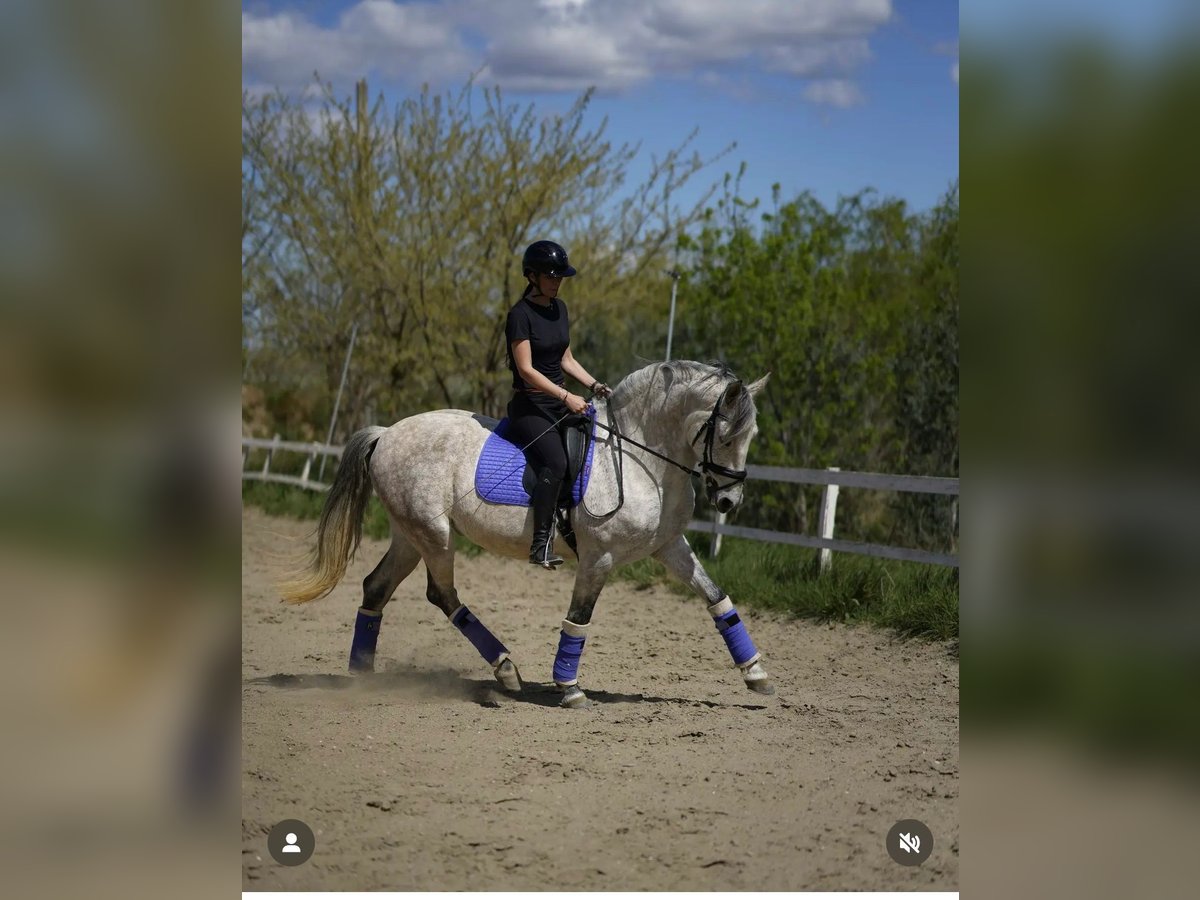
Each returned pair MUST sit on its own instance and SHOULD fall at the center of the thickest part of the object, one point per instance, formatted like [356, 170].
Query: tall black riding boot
[545, 495]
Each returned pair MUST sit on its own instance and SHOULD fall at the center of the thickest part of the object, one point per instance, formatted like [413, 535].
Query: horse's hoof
[509, 676]
[574, 698]
[758, 680]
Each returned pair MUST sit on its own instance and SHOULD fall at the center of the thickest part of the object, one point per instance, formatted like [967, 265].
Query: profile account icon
[291, 842]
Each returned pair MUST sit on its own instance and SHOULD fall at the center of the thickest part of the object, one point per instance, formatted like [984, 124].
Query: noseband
[708, 468]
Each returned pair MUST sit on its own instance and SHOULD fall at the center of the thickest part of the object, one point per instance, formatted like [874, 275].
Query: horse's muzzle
[725, 504]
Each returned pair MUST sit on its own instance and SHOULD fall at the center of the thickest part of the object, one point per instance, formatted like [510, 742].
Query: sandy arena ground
[426, 776]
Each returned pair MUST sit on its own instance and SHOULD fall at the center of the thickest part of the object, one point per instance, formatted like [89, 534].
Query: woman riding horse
[666, 423]
[538, 343]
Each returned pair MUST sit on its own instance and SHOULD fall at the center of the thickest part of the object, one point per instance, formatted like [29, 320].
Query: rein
[615, 430]
[707, 465]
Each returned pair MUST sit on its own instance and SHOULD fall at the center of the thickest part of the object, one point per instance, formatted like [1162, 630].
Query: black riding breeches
[531, 425]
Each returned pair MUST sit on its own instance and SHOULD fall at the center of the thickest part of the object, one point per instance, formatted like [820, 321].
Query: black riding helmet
[547, 258]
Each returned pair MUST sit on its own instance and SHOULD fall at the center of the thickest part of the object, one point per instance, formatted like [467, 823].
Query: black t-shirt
[548, 330]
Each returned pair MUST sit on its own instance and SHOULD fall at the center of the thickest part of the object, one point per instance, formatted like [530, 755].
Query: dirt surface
[427, 776]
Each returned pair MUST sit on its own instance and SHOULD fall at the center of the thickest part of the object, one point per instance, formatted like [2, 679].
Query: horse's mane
[683, 373]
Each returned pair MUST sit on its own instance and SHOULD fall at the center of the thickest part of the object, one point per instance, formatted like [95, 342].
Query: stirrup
[545, 557]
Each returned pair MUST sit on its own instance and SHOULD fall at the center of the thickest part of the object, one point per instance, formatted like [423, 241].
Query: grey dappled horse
[637, 505]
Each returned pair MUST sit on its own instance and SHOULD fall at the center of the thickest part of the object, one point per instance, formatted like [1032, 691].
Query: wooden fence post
[825, 522]
[954, 525]
[266, 469]
[716, 543]
[308, 461]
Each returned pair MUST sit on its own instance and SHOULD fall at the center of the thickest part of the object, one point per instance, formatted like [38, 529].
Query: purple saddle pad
[500, 471]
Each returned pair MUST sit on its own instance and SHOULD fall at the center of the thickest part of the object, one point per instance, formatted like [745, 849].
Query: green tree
[927, 380]
[854, 310]
[410, 223]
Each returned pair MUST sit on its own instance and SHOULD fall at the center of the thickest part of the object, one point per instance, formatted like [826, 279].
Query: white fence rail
[831, 478]
[311, 451]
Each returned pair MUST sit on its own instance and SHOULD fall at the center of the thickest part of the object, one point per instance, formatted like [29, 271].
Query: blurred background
[121, 354]
[119, 515]
[1081, 500]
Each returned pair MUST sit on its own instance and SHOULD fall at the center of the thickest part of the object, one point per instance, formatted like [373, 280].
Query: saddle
[503, 476]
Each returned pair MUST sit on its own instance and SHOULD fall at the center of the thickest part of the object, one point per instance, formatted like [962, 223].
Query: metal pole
[671, 320]
[338, 400]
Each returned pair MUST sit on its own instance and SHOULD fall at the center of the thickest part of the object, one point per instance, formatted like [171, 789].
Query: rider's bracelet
[593, 387]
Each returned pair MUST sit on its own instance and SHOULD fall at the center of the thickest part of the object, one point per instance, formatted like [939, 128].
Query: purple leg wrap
[481, 639]
[737, 639]
[366, 634]
[566, 661]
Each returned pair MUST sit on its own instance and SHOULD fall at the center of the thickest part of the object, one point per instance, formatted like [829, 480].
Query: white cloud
[765, 19]
[410, 40]
[569, 56]
[834, 92]
[818, 58]
[566, 45]
[562, 7]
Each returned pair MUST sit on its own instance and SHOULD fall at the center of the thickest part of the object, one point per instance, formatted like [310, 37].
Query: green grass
[283, 499]
[914, 599]
[1124, 695]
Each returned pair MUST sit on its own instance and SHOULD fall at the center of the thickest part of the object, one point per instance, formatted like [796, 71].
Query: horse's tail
[340, 530]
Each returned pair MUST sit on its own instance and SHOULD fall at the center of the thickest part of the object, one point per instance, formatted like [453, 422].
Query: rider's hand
[575, 403]
[601, 390]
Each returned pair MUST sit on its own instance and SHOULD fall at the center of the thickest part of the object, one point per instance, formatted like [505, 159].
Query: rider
[538, 339]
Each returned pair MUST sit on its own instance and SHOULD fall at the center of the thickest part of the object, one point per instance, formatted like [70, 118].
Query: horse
[662, 421]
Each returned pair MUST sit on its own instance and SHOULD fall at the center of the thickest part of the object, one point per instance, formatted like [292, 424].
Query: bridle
[708, 469]
[707, 466]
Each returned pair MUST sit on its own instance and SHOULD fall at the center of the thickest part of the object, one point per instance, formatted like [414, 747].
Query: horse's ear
[755, 388]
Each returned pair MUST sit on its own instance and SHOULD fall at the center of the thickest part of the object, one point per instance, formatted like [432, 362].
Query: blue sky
[829, 96]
